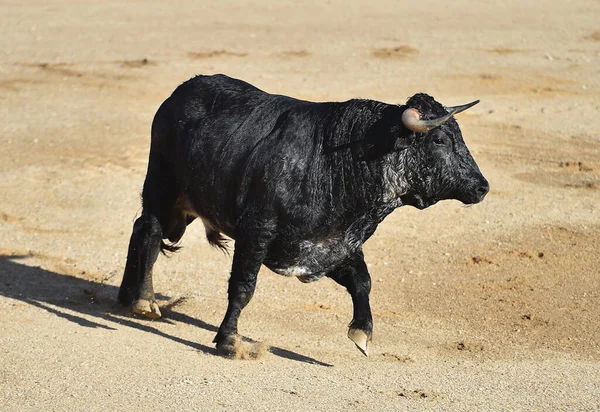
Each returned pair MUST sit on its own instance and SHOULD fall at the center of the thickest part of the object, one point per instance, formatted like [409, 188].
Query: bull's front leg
[356, 279]
[250, 251]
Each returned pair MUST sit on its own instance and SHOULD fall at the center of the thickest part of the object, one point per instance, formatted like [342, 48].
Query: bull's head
[437, 162]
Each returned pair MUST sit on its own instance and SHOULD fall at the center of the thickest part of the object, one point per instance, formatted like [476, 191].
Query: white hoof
[146, 308]
[360, 339]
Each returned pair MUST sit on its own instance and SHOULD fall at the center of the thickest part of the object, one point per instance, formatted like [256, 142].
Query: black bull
[299, 186]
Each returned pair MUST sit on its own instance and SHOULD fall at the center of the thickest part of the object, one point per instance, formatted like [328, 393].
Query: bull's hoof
[232, 347]
[360, 339]
[147, 308]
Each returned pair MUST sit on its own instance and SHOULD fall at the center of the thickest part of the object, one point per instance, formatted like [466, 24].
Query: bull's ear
[381, 138]
[401, 143]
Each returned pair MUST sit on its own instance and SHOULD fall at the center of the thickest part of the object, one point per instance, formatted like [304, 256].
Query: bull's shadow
[54, 292]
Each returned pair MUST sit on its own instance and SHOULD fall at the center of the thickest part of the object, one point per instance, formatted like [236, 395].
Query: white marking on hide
[394, 181]
[293, 271]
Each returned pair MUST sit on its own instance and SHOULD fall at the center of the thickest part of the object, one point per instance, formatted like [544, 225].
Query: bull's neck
[389, 181]
[370, 184]
[374, 187]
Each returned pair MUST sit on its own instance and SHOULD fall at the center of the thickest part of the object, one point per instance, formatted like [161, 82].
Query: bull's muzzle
[476, 193]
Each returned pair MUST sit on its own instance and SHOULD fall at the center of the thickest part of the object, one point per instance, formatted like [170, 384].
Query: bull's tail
[217, 240]
[166, 248]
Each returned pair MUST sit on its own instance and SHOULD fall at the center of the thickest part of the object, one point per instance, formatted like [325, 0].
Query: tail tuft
[167, 248]
[218, 241]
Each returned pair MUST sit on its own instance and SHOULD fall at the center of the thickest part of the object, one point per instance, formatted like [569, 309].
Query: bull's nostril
[483, 190]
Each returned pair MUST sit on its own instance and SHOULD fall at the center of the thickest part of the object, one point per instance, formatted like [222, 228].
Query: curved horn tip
[473, 103]
[461, 108]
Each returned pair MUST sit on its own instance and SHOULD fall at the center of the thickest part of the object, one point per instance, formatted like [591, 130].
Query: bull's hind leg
[136, 286]
[356, 279]
[129, 290]
[149, 240]
[160, 219]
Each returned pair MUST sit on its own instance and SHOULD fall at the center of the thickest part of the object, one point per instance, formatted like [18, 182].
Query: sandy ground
[490, 307]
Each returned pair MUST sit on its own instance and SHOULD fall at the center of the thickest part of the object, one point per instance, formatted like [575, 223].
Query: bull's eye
[439, 141]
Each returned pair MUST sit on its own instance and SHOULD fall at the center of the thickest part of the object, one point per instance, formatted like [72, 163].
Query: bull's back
[229, 144]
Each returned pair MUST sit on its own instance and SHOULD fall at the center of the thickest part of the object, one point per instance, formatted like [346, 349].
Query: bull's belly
[309, 260]
[303, 273]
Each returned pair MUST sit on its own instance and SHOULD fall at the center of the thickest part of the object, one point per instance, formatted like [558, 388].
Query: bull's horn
[411, 118]
[458, 109]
